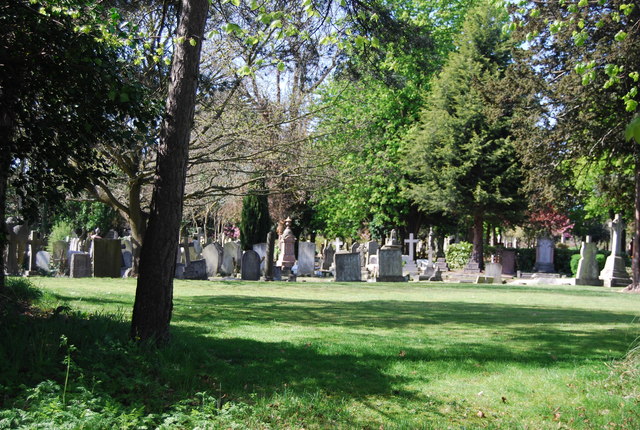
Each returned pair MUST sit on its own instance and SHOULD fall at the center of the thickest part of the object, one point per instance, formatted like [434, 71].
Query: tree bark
[6, 130]
[635, 258]
[154, 293]
[477, 254]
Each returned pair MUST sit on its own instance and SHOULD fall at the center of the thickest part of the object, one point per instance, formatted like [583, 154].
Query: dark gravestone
[327, 257]
[509, 261]
[268, 268]
[196, 270]
[306, 258]
[107, 258]
[80, 265]
[348, 267]
[250, 268]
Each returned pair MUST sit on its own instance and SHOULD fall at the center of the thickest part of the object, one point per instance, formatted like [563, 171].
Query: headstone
[544, 255]
[390, 265]
[111, 234]
[80, 266]
[494, 271]
[508, 261]
[306, 258]
[250, 266]
[327, 257]
[269, 274]
[261, 249]
[472, 267]
[127, 259]
[212, 255]
[287, 257]
[614, 273]
[231, 258]
[371, 249]
[347, 267]
[355, 247]
[587, 273]
[179, 274]
[196, 270]
[43, 260]
[338, 244]
[107, 258]
[441, 263]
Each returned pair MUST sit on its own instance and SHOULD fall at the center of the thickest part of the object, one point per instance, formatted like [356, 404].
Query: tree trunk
[154, 292]
[477, 254]
[6, 130]
[635, 258]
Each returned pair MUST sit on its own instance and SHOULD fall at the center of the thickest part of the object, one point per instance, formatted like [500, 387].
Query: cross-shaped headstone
[338, 243]
[411, 242]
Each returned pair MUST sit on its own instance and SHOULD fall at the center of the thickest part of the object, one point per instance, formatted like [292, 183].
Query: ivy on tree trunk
[154, 293]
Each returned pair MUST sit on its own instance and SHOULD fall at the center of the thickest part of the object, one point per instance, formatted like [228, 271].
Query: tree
[61, 92]
[369, 106]
[460, 156]
[255, 222]
[154, 293]
[581, 67]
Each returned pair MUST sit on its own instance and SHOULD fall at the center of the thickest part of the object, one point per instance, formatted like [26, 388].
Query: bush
[562, 259]
[525, 259]
[60, 231]
[575, 259]
[458, 254]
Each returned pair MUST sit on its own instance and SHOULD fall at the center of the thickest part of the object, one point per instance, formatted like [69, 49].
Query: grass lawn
[329, 355]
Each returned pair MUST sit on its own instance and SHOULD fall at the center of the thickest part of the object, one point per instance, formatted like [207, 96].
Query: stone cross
[617, 225]
[338, 243]
[411, 241]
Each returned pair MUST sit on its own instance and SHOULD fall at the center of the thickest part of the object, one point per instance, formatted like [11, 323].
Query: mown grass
[328, 355]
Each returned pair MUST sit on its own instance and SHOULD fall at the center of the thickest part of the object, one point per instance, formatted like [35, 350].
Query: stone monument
[587, 273]
[614, 273]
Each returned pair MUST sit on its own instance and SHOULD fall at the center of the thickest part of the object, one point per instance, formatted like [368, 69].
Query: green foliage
[458, 254]
[525, 259]
[60, 231]
[575, 259]
[312, 369]
[562, 259]
[460, 155]
[87, 215]
[255, 222]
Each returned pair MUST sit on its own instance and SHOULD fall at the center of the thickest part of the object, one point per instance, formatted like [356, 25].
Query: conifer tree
[460, 156]
[255, 222]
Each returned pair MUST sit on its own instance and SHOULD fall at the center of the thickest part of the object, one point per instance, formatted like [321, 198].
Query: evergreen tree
[460, 156]
[255, 222]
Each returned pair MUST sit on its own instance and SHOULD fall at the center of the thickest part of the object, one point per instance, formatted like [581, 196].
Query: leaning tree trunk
[6, 129]
[154, 292]
[635, 259]
[477, 254]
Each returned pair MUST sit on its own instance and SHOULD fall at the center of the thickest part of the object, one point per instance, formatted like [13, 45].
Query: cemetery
[311, 215]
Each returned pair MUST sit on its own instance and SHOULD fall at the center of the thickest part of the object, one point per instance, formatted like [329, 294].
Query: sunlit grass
[364, 355]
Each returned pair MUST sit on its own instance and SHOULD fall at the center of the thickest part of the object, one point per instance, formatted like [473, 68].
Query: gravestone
[508, 261]
[494, 271]
[261, 249]
[269, 269]
[390, 265]
[43, 260]
[127, 259]
[441, 264]
[410, 262]
[287, 257]
[355, 247]
[250, 266]
[306, 258]
[327, 257]
[544, 255]
[231, 258]
[371, 248]
[338, 244]
[107, 258]
[471, 267]
[587, 273]
[614, 273]
[196, 270]
[80, 266]
[348, 267]
[212, 255]
[18, 233]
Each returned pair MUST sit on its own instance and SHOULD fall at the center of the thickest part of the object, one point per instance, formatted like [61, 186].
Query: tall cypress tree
[255, 221]
[460, 156]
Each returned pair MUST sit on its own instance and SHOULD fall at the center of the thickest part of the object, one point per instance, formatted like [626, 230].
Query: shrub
[60, 231]
[562, 259]
[525, 259]
[458, 254]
